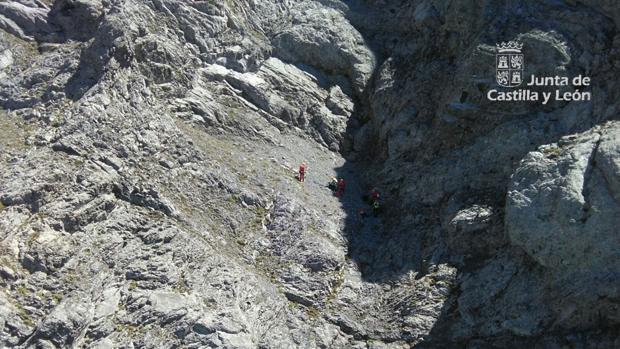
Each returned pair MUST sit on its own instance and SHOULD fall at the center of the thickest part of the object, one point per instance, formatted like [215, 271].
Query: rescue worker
[302, 172]
[341, 186]
[375, 208]
[374, 196]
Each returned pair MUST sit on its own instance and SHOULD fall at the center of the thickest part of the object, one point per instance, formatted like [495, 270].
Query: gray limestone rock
[149, 153]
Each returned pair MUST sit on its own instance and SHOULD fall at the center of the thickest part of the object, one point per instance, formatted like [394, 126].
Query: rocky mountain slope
[148, 153]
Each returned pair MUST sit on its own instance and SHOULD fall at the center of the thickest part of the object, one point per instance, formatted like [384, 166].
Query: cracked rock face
[149, 149]
[564, 200]
[563, 210]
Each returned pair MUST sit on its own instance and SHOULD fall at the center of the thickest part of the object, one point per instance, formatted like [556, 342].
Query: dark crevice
[64, 148]
[146, 199]
[371, 249]
[587, 178]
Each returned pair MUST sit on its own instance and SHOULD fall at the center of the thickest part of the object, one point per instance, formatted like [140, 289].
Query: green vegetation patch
[24, 315]
[552, 151]
[313, 312]
[13, 132]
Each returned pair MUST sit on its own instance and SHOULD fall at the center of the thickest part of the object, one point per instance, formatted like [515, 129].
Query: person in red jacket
[341, 186]
[302, 172]
[374, 196]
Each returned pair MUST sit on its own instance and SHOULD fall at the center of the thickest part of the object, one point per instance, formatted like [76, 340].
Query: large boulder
[563, 210]
[24, 20]
[79, 19]
[563, 204]
[293, 96]
[324, 39]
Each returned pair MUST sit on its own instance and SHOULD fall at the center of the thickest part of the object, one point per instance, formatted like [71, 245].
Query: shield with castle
[509, 64]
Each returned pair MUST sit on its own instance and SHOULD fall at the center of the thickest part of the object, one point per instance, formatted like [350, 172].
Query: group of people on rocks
[338, 185]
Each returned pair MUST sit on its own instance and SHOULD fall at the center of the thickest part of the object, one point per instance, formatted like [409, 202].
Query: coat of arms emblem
[509, 63]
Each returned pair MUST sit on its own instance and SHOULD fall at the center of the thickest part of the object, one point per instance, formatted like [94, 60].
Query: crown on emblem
[510, 46]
